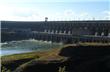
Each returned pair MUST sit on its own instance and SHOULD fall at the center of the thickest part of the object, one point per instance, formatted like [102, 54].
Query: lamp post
[46, 19]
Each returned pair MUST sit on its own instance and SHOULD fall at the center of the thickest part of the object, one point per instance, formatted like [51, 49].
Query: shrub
[62, 69]
[4, 69]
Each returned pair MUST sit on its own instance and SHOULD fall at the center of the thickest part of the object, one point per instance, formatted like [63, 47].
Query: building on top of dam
[56, 31]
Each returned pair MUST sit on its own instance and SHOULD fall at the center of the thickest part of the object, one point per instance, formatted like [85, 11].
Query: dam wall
[57, 31]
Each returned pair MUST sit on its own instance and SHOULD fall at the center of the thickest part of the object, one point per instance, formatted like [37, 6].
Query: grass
[53, 54]
[25, 59]
[11, 62]
[14, 57]
[93, 44]
[62, 69]
[5, 69]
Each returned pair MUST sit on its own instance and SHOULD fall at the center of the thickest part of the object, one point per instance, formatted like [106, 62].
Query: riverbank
[11, 62]
[76, 58]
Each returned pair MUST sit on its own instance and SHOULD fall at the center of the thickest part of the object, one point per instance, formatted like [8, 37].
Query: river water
[24, 46]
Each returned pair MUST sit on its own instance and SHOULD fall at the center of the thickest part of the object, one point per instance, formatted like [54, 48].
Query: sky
[55, 10]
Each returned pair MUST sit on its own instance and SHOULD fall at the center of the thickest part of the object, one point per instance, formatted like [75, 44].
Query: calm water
[23, 46]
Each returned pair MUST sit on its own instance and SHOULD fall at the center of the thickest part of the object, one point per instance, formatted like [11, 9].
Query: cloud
[36, 14]
[69, 12]
[72, 15]
[18, 13]
[106, 14]
[83, 14]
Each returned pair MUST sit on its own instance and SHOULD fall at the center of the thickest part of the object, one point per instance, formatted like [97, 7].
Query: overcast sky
[37, 10]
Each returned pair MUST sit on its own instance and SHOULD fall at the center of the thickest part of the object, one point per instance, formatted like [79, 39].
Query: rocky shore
[71, 58]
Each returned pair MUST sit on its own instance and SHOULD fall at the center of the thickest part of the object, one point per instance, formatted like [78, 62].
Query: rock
[79, 59]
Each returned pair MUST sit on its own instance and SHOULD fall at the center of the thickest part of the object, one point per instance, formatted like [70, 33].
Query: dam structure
[57, 31]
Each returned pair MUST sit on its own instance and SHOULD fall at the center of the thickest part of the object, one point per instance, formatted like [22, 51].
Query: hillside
[71, 58]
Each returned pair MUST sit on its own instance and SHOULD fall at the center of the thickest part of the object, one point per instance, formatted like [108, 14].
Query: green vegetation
[10, 58]
[93, 44]
[26, 59]
[31, 55]
[62, 69]
[17, 60]
[5, 69]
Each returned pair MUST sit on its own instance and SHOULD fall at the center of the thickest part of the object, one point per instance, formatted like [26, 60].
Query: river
[24, 46]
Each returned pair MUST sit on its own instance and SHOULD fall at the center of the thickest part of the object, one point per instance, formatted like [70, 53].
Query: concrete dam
[57, 31]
